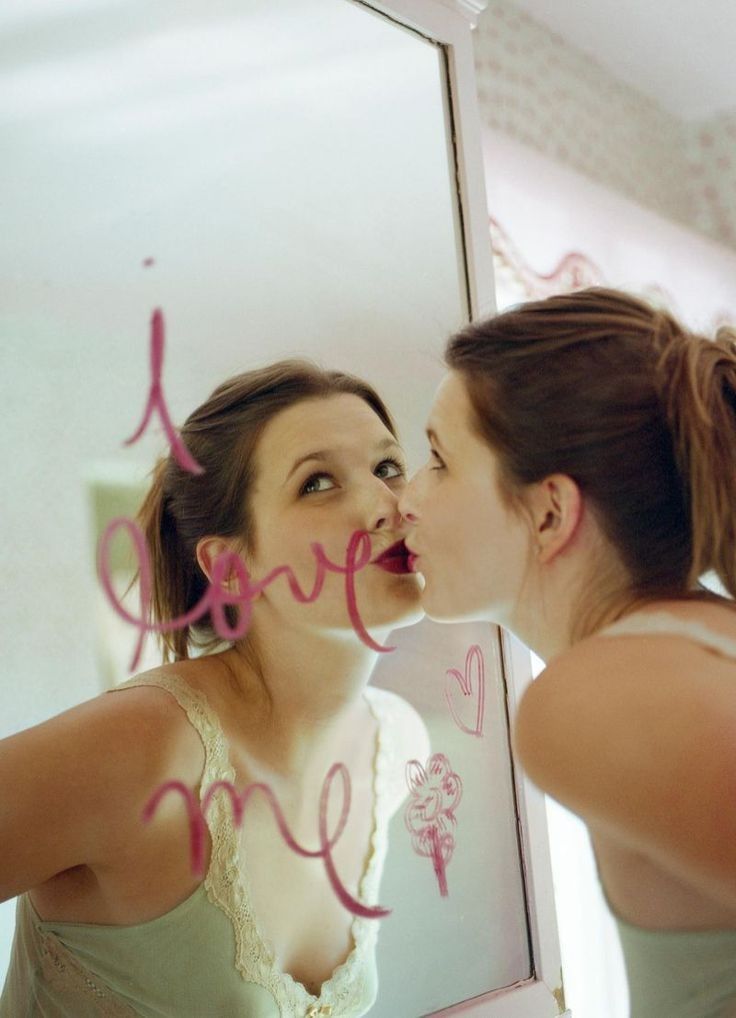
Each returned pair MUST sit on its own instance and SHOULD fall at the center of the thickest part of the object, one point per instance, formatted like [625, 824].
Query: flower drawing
[430, 812]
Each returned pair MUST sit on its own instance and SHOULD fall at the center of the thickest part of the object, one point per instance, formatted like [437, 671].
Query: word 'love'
[216, 596]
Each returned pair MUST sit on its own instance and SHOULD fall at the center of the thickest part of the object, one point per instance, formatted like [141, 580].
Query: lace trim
[663, 622]
[226, 883]
[62, 971]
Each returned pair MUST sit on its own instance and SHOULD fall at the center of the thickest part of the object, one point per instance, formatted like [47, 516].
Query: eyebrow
[326, 454]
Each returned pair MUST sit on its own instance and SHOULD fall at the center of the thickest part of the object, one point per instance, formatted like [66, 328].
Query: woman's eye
[438, 460]
[394, 463]
[315, 477]
[305, 488]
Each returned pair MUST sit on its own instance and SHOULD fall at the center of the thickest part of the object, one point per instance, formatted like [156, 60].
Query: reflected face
[354, 485]
[471, 550]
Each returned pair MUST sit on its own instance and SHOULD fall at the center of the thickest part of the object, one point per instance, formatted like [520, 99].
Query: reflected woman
[111, 918]
[582, 479]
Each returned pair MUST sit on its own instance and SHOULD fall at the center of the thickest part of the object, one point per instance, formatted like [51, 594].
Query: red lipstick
[394, 559]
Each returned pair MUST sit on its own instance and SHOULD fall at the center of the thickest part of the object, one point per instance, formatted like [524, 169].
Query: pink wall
[548, 211]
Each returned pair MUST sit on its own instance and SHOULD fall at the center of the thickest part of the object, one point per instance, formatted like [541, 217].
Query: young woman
[111, 918]
[582, 479]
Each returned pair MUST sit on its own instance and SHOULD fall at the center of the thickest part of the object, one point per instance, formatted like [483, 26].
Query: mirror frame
[449, 23]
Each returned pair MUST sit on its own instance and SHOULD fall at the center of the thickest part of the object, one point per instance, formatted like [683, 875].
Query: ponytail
[167, 564]
[697, 380]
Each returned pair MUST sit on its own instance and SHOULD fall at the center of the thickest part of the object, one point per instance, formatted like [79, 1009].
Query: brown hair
[180, 507]
[639, 412]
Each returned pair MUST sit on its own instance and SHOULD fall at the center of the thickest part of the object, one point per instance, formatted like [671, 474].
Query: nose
[386, 513]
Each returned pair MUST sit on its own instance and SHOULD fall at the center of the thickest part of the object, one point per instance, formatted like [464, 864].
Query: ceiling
[677, 52]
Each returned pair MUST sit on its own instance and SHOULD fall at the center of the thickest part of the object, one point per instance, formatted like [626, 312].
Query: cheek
[332, 529]
[467, 516]
[444, 518]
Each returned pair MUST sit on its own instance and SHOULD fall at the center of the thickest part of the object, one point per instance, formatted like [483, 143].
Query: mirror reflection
[277, 181]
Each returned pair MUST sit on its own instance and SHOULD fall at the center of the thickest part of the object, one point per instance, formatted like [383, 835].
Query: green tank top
[206, 955]
[677, 973]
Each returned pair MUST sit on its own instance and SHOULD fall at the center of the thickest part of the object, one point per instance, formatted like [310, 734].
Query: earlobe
[208, 551]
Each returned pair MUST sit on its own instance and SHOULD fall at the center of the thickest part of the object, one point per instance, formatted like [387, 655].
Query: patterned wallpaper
[539, 89]
[711, 148]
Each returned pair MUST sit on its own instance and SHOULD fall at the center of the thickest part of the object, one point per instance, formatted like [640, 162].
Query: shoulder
[637, 735]
[159, 715]
[646, 658]
[132, 739]
[77, 782]
[617, 677]
[626, 711]
[122, 726]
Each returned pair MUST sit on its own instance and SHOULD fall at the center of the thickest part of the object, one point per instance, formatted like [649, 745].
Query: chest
[294, 907]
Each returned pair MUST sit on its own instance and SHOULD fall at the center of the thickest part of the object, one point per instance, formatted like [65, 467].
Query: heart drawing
[473, 657]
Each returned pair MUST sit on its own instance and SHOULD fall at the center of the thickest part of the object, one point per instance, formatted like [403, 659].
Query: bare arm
[638, 735]
[72, 786]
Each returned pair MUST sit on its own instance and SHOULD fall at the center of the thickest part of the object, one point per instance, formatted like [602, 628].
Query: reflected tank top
[206, 956]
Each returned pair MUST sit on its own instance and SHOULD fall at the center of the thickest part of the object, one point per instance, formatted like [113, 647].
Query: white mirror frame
[450, 23]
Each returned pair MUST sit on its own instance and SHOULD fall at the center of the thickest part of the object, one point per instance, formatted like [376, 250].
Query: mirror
[278, 179]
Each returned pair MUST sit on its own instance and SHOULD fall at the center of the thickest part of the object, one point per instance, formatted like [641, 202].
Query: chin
[409, 615]
[399, 606]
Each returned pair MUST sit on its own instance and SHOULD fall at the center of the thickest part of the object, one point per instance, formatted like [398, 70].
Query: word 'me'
[197, 827]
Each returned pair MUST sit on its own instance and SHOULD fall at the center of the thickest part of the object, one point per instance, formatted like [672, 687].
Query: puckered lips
[394, 559]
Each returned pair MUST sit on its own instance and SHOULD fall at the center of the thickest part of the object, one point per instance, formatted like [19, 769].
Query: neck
[299, 701]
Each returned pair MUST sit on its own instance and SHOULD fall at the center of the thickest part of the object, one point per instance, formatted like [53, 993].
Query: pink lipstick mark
[148, 262]
[430, 813]
[156, 400]
[238, 802]
[215, 596]
[474, 656]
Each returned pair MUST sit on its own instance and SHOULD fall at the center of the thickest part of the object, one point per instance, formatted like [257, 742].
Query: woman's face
[323, 471]
[471, 550]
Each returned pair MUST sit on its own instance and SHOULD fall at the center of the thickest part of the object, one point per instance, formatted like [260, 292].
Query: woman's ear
[209, 549]
[557, 509]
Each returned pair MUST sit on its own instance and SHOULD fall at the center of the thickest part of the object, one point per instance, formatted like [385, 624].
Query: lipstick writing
[215, 596]
[473, 661]
[429, 815]
[239, 801]
[157, 401]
